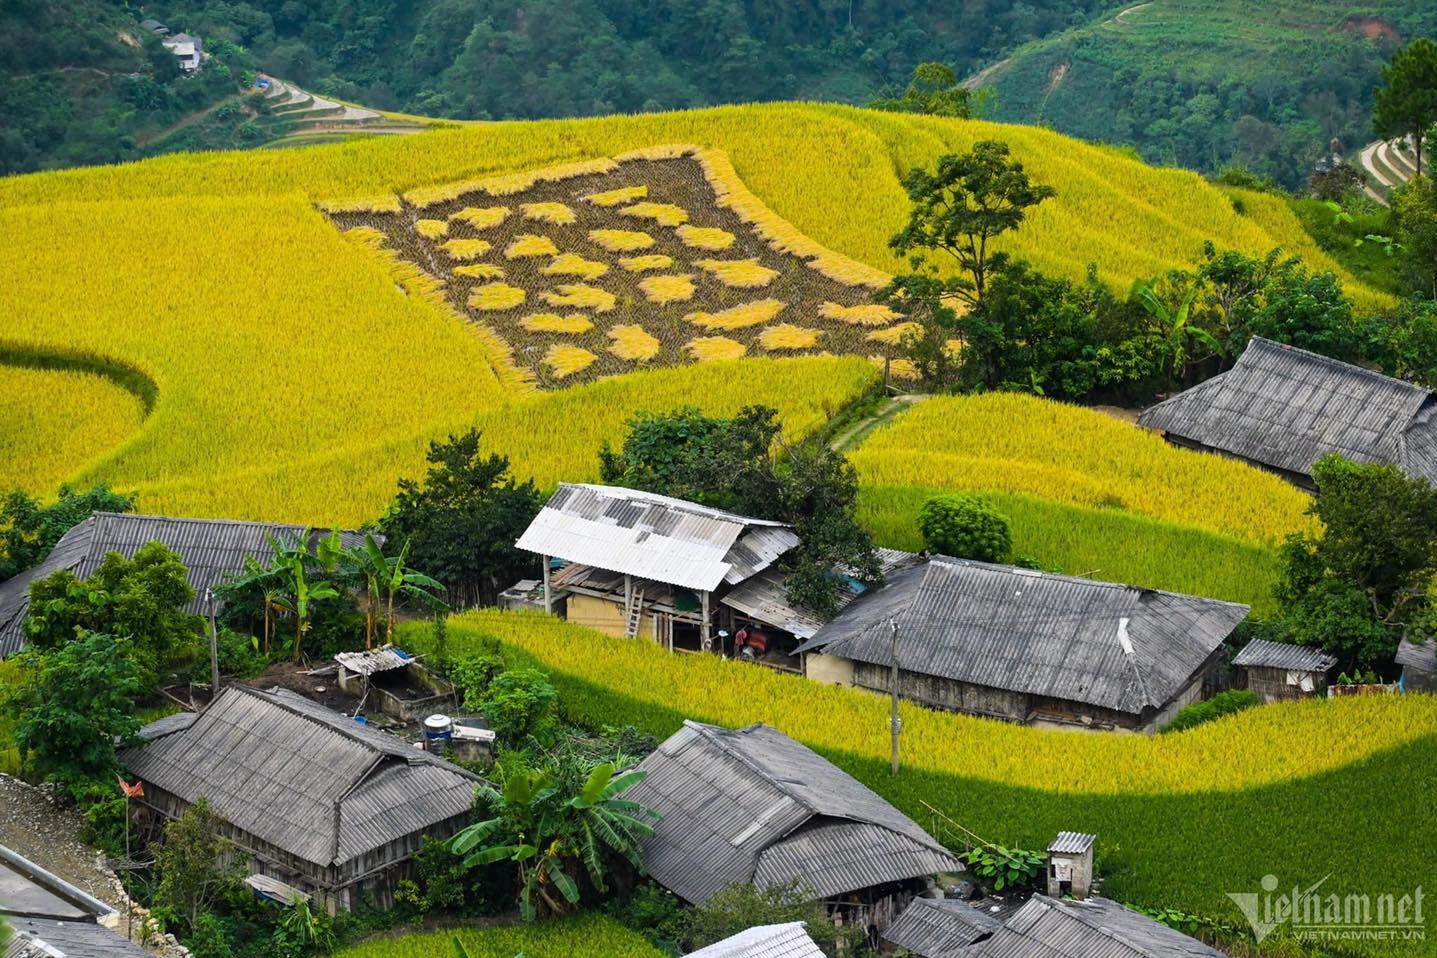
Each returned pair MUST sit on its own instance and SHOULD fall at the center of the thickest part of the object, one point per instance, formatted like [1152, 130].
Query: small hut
[392, 681]
[1281, 670]
[1419, 665]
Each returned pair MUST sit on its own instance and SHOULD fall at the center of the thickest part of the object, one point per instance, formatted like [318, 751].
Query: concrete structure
[392, 682]
[1070, 865]
[50, 918]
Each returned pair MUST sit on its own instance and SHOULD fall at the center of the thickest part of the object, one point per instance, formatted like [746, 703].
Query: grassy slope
[262, 303]
[1181, 819]
[584, 936]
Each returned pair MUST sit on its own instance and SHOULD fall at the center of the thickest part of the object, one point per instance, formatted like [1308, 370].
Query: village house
[789, 940]
[645, 565]
[1419, 665]
[50, 918]
[1280, 670]
[317, 801]
[212, 550]
[753, 806]
[1025, 646]
[1283, 408]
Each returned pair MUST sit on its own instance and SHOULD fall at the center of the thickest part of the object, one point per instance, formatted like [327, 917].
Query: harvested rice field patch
[661, 258]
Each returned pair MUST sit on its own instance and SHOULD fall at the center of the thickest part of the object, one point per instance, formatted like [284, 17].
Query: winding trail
[860, 430]
[983, 75]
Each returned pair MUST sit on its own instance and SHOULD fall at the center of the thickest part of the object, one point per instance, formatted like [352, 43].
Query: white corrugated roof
[650, 536]
[788, 940]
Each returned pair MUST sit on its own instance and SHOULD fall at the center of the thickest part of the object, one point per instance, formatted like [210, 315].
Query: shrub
[743, 906]
[1002, 868]
[1224, 703]
[519, 705]
[965, 527]
[239, 655]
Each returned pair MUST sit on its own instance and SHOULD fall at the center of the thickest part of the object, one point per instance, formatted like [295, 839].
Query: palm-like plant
[371, 567]
[1176, 324]
[304, 592]
[404, 581]
[549, 837]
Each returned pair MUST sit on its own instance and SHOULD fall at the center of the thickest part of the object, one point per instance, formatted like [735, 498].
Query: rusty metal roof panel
[649, 536]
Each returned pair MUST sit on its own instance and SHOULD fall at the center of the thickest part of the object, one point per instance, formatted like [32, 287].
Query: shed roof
[1286, 407]
[51, 918]
[212, 549]
[1072, 843]
[753, 805]
[654, 537]
[940, 928]
[789, 940]
[1114, 646]
[1418, 656]
[1093, 928]
[764, 597]
[345, 788]
[386, 658]
[1260, 653]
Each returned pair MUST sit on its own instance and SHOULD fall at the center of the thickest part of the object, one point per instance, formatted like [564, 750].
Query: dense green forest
[1211, 83]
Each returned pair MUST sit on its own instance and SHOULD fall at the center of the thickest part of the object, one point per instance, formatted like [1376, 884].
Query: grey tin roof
[1100, 643]
[1260, 653]
[383, 659]
[46, 912]
[212, 549]
[1285, 408]
[654, 537]
[765, 596]
[1094, 928]
[345, 788]
[753, 805]
[1418, 656]
[940, 928]
[788, 940]
[1072, 843]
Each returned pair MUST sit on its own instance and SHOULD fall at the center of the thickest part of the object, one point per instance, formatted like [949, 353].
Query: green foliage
[960, 208]
[303, 931]
[77, 704]
[934, 90]
[462, 520]
[1414, 211]
[1406, 102]
[743, 465]
[1350, 589]
[1000, 868]
[443, 884]
[965, 527]
[587, 935]
[1353, 235]
[29, 530]
[141, 600]
[240, 655]
[1199, 713]
[656, 912]
[519, 705]
[472, 675]
[549, 832]
[740, 907]
[191, 864]
[104, 808]
[209, 938]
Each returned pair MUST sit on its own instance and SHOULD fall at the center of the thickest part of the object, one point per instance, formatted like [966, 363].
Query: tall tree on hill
[1406, 103]
[934, 91]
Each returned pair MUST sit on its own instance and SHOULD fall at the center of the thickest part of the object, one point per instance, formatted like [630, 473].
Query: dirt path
[180, 124]
[979, 78]
[47, 835]
[860, 430]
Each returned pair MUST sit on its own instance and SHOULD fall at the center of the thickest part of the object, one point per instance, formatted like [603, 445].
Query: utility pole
[895, 724]
[214, 648]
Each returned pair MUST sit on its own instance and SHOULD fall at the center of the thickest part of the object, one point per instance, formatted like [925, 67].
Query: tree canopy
[1406, 102]
[29, 530]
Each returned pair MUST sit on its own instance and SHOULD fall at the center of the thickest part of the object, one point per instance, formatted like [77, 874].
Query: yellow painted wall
[832, 669]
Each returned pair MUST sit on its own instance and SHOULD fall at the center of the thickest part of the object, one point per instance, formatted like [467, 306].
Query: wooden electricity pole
[214, 649]
[895, 724]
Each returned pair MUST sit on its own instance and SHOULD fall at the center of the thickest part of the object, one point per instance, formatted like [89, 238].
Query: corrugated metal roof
[1261, 653]
[653, 537]
[1094, 928]
[344, 788]
[1072, 843]
[788, 940]
[1286, 407]
[212, 549]
[1418, 656]
[765, 596]
[1100, 643]
[42, 909]
[46, 938]
[383, 659]
[940, 928]
[753, 805]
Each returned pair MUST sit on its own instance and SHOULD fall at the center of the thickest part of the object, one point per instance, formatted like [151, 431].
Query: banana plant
[401, 580]
[371, 566]
[304, 593]
[1176, 324]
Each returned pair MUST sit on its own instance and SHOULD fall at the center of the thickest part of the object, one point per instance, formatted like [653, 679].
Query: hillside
[287, 304]
[1205, 83]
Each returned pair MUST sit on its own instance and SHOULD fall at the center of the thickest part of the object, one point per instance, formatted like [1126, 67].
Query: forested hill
[1211, 83]
[477, 59]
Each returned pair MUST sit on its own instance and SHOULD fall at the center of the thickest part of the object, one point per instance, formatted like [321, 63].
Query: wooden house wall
[1271, 684]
